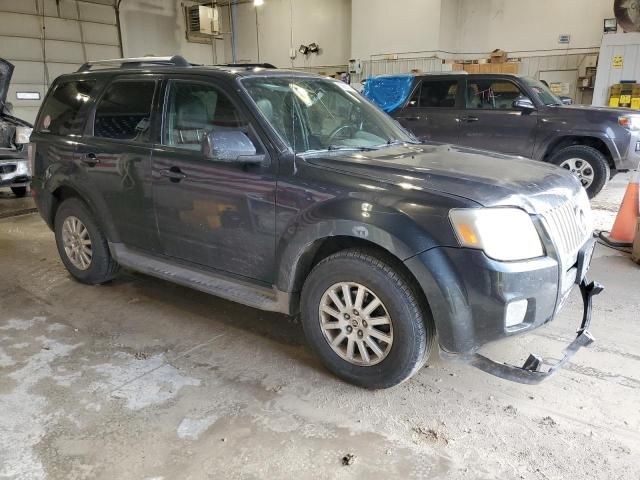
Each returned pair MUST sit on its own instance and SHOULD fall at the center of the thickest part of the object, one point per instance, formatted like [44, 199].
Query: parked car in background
[289, 192]
[513, 115]
[14, 136]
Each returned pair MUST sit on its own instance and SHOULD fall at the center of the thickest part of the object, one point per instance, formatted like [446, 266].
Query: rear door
[115, 156]
[491, 122]
[433, 110]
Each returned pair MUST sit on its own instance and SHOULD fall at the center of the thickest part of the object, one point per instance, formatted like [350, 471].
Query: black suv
[514, 115]
[290, 192]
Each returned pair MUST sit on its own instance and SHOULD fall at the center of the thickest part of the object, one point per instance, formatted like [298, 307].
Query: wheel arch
[64, 191]
[585, 140]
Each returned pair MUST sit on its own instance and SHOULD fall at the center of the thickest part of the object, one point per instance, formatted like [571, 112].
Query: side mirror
[523, 103]
[230, 146]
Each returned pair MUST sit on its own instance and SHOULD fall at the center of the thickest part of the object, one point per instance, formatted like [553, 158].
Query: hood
[486, 178]
[6, 71]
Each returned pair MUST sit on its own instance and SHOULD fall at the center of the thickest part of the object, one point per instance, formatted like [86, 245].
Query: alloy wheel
[77, 243]
[581, 169]
[356, 324]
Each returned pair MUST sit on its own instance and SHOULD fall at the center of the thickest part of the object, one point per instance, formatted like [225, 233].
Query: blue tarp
[388, 91]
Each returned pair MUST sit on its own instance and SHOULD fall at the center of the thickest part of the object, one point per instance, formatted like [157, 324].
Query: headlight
[630, 122]
[23, 134]
[503, 233]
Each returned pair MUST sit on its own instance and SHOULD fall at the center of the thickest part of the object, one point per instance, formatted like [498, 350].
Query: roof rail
[247, 65]
[175, 61]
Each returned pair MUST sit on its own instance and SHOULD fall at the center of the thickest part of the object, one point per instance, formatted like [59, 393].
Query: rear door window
[435, 94]
[124, 111]
[63, 112]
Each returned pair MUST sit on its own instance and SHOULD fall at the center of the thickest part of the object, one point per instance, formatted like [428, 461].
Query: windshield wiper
[332, 148]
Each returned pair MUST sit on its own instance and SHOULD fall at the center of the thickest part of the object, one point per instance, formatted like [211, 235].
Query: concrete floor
[144, 379]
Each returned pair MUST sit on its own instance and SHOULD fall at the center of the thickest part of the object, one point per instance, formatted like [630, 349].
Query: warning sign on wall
[618, 61]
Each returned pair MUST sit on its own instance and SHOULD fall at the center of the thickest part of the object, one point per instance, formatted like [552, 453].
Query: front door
[115, 154]
[433, 111]
[217, 214]
[491, 122]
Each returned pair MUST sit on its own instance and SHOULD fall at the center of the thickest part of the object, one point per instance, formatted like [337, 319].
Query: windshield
[543, 93]
[316, 114]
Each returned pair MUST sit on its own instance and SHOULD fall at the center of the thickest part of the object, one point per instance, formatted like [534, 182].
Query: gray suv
[517, 116]
[289, 192]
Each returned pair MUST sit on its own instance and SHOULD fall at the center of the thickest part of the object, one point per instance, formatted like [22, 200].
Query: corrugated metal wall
[626, 45]
[45, 38]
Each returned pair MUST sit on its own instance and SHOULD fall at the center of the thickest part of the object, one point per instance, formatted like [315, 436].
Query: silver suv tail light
[31, 156]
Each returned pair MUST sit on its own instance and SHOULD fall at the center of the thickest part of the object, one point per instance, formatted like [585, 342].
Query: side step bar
[239, 291]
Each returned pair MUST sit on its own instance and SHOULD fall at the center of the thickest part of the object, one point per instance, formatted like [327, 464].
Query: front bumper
[631, 161]
[14, 173]
[469, 295]
[531, 372]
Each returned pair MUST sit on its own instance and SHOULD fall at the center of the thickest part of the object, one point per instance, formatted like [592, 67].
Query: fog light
[516, 311]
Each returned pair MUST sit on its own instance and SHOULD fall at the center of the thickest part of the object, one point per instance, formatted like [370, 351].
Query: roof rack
[248, 65]
[175, 61]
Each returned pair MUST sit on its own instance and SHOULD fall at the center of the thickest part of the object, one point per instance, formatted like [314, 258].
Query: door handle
[413, 119]
[469, 119]
[90, 159]
[174, 174]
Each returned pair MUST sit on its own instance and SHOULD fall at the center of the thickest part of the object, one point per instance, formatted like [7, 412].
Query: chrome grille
[569, 227]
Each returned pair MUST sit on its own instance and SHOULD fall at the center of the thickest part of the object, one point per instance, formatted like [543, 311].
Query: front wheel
[365, 320]
[589, 165]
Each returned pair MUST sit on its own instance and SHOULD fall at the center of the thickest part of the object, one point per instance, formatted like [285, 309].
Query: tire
[101, 267]
[19, 191]
[412, 331]
[589, 159]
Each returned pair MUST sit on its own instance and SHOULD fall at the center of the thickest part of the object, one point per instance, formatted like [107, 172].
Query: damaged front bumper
[532, 371]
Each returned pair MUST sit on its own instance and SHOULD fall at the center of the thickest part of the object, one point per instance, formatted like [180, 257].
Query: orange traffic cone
[624, 228]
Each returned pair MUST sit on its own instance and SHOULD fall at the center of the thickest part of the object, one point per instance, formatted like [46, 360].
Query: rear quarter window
[64, 109]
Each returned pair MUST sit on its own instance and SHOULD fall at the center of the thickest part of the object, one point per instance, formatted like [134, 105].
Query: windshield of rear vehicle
[317, 114]
[543, 93]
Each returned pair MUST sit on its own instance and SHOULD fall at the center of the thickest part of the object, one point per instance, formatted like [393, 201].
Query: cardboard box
[635, 255]
[472, 68]
[486, 68]
[498, 56]
[458, 67]
[510, 68]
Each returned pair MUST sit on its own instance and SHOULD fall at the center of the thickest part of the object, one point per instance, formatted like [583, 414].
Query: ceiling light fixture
[257, 3]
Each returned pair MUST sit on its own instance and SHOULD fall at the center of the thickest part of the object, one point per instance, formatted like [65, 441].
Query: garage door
[45, 38]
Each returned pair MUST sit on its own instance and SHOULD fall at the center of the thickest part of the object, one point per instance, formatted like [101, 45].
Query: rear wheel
[19, 191]
[81, 244]
[589, 165]
[364, 319]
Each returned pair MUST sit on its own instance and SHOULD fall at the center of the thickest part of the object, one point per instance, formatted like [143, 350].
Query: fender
[549, 136]
[71, 179]
[390, 228]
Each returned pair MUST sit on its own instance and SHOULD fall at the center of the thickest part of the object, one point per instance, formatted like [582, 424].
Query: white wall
[471, 28]
[157, 27]
[525, 26]
[286, 24]
[383, 26]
